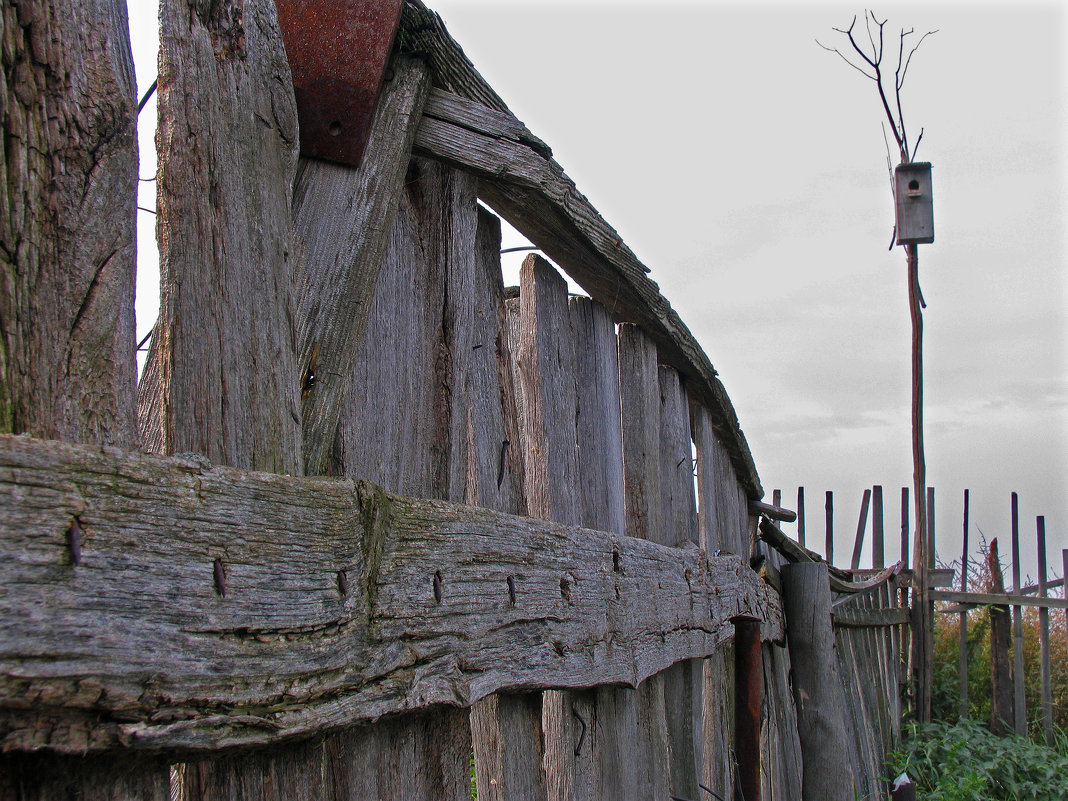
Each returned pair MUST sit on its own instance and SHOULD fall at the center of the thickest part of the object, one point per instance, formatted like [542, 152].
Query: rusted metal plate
[338, 51]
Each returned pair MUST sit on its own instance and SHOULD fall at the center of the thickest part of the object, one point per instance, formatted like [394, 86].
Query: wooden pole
[821, 720]
[1001, 702]
[1043, 634]
[1019, 700]
[862, 523]
[1064, 592]
[904, 525]
[922, 612]
[829, 507]
[878, 548]
[748, 691]
[963, 658]
[801, 515]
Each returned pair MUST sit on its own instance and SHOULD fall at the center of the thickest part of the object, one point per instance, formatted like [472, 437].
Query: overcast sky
[746, 168]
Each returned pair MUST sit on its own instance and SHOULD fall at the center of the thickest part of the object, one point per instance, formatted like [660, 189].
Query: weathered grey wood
[1018, 695]
[405, 419]
[343, 218]
[858, 542]
[601, 498]
[222, 371]
[506, 728]
[852, 618]
[1001, 699]
[506, 732]
[67, 239]
[546, 363]
[67, 250]
[679, 517]
[1045, 679]
[772, 510]
[639, 395]
[998, 599]
[717, 734]
[781, 780]
[269, 635]
[532, 192]
[289, 771]
[820, 716]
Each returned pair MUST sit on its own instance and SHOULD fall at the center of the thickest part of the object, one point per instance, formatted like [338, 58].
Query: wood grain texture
[404, 423]
[344, 218]
[473, 128]
[639, 397]
[682, 686]
[222, 378]
[67, 240]
[818, 684]
[268, 645]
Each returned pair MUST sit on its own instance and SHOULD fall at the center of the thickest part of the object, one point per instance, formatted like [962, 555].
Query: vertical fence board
[858, 543]
[67, 239]
[1001, 691]
[801, 516]
[679, 514]
[546, 365]
[829, 528]
[602, 506]
[399, 429]
[717, 734]
[639, 395]
[1046, 687]
[67, 246]
[1019, 699]
[222, 370]
[962, 656]
[878, 548]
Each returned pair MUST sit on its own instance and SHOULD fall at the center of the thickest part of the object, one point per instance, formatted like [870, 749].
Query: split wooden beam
[168, 605]
[997, 599]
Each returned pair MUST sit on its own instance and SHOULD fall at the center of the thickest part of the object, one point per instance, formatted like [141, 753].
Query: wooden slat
[222, 371]
[67, 227]
[877, 617]
[68, 178]
[639, 396]
[343, 219]
[682, 688]
[998, 599]
[532, 192]
[601, 497]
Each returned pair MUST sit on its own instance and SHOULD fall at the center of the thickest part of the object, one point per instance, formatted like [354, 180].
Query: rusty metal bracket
[338, 52]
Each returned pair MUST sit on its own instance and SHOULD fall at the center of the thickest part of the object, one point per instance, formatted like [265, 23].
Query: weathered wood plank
[601, 497]
[343, 218]
[67, 239]
[67, 254]
[530, 190]
[681, 688]
[222, 376]
[997, 599]
[546, 362]
[817, 683]
[323, 608]
[853, 618]
[639, 396]
[506, 729]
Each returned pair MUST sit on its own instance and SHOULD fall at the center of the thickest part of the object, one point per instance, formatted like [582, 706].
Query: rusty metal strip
[338, 53]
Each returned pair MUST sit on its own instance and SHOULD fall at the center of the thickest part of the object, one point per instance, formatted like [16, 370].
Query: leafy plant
[965, 762]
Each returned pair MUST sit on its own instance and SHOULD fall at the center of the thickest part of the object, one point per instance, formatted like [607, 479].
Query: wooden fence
[389, 519]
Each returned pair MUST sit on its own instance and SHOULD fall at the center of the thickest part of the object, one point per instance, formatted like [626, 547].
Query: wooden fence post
[801, 516]
[1001, 701]
[67, 250]
[862, 523]
[829, 542]
[963, 655]
[1019, 699]
[817, 685]
[1043, 634]
[878, 553]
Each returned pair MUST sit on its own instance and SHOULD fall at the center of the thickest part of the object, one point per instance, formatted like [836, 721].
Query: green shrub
[965, 762]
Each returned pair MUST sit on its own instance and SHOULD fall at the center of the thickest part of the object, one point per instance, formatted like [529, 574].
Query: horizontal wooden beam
[772, 512]
[997, 599]
[860, 618]
[165, 604]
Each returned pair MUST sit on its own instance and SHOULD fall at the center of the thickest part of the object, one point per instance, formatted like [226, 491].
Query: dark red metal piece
[338, 52]
[748, 692]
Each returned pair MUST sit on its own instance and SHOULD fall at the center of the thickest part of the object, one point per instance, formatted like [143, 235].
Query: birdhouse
[915, 205]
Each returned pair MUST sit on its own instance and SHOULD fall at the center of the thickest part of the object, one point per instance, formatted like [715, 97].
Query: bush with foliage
[963, 761]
